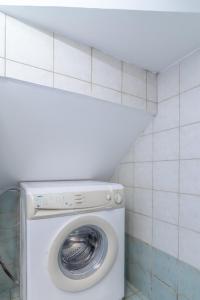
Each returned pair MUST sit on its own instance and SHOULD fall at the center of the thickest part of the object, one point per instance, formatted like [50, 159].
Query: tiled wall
[9, 244]
[159, 275]
[162, 171]
[30, 54]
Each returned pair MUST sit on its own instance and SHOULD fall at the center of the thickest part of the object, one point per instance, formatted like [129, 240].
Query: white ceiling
[152, 40]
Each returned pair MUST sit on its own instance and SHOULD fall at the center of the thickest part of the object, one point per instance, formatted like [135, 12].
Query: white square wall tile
[142, 228]
[148, 129]
[190, 71]
[134, 80]
[126, 174]
[2, 35]
[190, 141]
[166, 176]
[165, 237]
[151, 87]
[143, 149]
[190, 106]
[190, 212]
[143, 175]
[166, 145]
[129, 194]
[142, 201]
[71, 58]
[189, 247]
[106, 70]
[133, 101]
[71, 84]
[2, 67]
[152, 107]
[129, 157]
[28, 73]
[168, 115]
[28, 45]
[190, 176]
[166, 206]
[106, 94]
[168, 83]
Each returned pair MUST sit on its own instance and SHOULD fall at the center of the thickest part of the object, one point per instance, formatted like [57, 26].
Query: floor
[131, 293]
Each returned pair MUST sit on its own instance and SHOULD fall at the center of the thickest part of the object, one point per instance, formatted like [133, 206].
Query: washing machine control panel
[68, 202]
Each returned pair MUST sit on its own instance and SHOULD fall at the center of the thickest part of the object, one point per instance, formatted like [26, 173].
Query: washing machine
[72, 241]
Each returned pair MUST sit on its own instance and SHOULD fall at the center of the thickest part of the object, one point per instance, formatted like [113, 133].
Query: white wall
[30, 54]
[162, 172]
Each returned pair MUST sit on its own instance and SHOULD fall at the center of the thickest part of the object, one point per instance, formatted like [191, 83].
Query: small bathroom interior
[105, 91]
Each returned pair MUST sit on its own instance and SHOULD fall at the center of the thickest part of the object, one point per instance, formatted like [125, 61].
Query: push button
[108, 197]
[118, 199]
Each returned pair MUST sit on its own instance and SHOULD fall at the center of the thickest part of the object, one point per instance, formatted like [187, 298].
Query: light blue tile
[161, 291]
[128, 291]
[14, 293]
[138, 252]
[142, 255]
[133, 297]
[165, 268]
[7, 234]
[9, 251]
[8, 221]
[141, 280]
[129, 250]
[189, 282]
[5, 295]
[5, 282]
[181, 297]
[9, 202]
[142, 297]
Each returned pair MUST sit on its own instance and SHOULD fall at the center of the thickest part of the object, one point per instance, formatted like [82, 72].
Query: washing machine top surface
[68, 186]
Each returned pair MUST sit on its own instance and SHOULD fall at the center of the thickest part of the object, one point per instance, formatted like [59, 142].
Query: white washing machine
[72, 241]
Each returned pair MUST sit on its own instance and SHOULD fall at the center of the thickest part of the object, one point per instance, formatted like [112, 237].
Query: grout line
[159, 161]
[179, 93]
[5, 46]
[67, 75]
[181, 60]
[179, 174]
[146, 89]
[28, 65]
[160, 190]
[152, 192]
[91, 75]
[53, 59]
[122, 78]
[162, 220]
[168, 129]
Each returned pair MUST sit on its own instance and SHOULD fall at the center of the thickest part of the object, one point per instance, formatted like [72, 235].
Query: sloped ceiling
[152, 40]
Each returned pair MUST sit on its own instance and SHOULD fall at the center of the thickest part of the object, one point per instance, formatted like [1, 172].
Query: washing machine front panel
[82, 253]
[72, 252]
[40, 237]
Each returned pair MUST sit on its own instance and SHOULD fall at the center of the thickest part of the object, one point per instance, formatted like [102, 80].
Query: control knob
[118, 198]
[108, 197]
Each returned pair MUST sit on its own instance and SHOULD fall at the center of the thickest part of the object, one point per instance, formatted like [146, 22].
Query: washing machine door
[82, 253]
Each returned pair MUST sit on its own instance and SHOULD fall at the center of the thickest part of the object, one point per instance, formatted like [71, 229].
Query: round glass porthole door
[83, 252]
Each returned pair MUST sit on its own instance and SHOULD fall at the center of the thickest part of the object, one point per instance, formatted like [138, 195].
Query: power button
[118, 199]
[108, 197]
